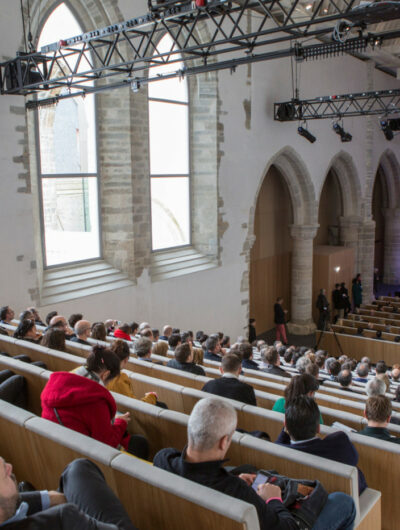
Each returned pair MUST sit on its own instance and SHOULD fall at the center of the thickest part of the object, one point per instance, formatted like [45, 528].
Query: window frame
[41, 176]
[166, 175]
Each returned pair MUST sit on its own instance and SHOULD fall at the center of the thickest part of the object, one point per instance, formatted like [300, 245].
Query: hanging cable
[23, 25]
[36, 39]
[30, 38]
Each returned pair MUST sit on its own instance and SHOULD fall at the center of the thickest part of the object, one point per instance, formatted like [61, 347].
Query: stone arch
[298, 180]
[391, 171]
[345, 170]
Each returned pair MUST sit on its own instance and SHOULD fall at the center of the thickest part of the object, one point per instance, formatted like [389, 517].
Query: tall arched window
[169, 155]
[67, 165]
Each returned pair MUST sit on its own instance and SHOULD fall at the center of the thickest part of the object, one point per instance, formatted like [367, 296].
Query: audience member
[49, 316]
[60, 322]
[147, 333]
[229, 385]
[160, 348]
[302, 364]
[6, 315]
[345, 380]
[211, 349]
[301, 428]
[156, 334]
[210, 429]
[134, 328]
[375, 387]
[74, 318]
[26, 330]
[26, 315]
[36, 316]
[81, 402]
[333, 367]
[300, 385]
[82, 331]
[123, 332]
[122, 382]
[142, 348]
[378, 410]
[166, 332]
[271, 358]
[99, 331]
[84, 500]
[362, 373]
[54, 339]
[246, 353]
[184, 360]
[174, 341]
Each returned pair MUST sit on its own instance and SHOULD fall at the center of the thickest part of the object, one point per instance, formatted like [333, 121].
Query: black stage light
[386, 129]
[306, 134]
[344, 136]
[286, 112]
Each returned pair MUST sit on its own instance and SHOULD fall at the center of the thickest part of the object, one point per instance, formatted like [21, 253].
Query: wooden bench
[39, 450]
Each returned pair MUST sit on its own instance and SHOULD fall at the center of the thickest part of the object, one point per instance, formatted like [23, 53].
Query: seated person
[85, 501]
[143, 348]
[123, 332]
[271, 357]
[99, 331]
[60, 322]
[375, 387]
[36, 316]
[174, 341]
[212, 347]
[82, 331]
[362, 373]
[184, 360]
[210, 429]
[246, 352]
[345, 380]
[160, 348]
[81, 402]
[333, 368]
[395, 374]
[378, 410]
[26, 330]
[54, 339]
[300, 385]
[6, 315]
[74, 318]
[122, 383]
[166, 333]
[49, 316]
[229, 385]
[302, 418]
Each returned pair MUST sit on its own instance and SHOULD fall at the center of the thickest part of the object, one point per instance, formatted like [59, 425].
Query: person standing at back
[279, 319]
[357, 291]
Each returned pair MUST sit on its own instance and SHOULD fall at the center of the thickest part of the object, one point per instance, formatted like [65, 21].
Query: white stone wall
[248, 142]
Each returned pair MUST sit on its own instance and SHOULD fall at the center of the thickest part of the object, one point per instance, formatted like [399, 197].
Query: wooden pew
[39, 450]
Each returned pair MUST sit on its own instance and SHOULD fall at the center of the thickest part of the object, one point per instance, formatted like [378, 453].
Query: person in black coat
[302, 418]
[279, 320]
[229, 385]
[323, 308]
[86, 501]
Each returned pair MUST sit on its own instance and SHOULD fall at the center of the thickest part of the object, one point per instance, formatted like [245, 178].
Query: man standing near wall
[279, 319]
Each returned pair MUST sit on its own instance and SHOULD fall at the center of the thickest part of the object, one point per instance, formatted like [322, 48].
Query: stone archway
[386, 190]
[304, 207]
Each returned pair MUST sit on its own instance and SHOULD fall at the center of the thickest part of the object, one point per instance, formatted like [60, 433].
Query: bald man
[82, 331]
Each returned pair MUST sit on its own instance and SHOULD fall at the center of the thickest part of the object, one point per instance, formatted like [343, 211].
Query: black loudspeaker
[286, 112]
[17, 75]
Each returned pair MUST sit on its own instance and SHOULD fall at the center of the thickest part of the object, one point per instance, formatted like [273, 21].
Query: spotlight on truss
[306, 134]
[344, 136]
[388, 126]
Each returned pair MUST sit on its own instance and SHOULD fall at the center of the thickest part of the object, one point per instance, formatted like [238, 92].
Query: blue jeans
[339, 512]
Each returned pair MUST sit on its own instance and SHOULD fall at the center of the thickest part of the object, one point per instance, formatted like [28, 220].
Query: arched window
[169, 154]
[67, 165]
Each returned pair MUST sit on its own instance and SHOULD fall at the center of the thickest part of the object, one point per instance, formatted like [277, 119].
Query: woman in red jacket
[80, 401]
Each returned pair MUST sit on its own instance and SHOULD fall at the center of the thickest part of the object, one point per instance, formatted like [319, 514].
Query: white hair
[302, 364]
[375, 387]
[211, 419]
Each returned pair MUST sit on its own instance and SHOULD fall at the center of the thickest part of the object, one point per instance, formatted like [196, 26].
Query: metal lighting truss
[125, 53]
[382, 102]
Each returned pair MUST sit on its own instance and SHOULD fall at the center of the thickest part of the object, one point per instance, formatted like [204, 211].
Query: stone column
[392, 246]
[349, 235]
[301, 322]
[366, 254]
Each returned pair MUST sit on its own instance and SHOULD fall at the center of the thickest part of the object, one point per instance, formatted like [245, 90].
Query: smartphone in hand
[260, 479]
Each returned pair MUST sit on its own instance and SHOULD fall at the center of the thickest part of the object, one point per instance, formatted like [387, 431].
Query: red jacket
[84, 406]
[119, 334]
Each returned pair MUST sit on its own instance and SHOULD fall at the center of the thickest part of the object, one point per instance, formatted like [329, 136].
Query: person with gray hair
[375, 387]
[211, 426]
[362, 373]
[83, 330]
[142, 348]
[302, 364]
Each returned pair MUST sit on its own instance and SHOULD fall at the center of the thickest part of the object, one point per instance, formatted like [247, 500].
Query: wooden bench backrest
[39, 451]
